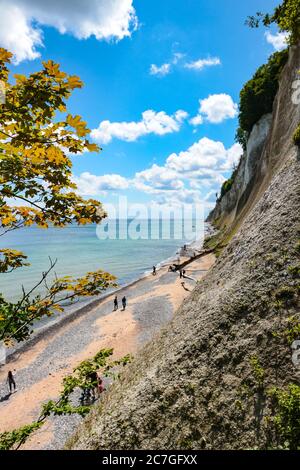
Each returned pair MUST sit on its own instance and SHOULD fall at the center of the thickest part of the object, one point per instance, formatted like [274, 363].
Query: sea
[79, 249]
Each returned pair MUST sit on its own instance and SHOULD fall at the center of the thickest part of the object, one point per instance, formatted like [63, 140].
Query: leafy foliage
[36, 172]
[258, 94]
[296, 136]
[295, 271]
[82, 378]
[34, 164]
[287, 415]
[9, 439]
[258, 372]
[285, 16]
[287, 295]
[242, 137]
[11, 259]
[227, 185]
[283, 405]
[292, 330]
[16, 319]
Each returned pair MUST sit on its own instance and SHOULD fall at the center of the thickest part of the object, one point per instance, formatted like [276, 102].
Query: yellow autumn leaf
[78, 125]
[92, 147]
[74, 82]
[58, 308]
[7, 220]
[32, 308]
[20, 78]
[42, 224]
[28, 222]
[51, 67]
[5, 56]
[55, 155]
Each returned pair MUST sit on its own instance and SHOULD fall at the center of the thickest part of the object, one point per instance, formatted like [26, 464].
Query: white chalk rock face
[255, 145]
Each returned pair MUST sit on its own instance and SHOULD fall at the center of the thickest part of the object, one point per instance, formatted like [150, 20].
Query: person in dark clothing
[116, 303]
[11, 381]
[101, 388]
[180, 273]
[124, 302]
[93, 377]
[154, 270]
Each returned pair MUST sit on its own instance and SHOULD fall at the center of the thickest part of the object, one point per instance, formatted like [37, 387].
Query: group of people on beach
[95, 390]
[116, 303]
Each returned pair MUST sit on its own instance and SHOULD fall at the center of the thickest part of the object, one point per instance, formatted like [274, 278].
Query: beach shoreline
[83, 307]
[41, 365]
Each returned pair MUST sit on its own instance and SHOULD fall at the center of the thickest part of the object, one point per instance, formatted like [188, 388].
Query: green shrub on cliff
[258, 94]
[227, 185]
[297, 136]
[242, 137]
[256, 100]
[286, 403]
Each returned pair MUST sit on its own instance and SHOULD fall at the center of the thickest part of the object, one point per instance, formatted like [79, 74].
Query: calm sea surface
[79, 250]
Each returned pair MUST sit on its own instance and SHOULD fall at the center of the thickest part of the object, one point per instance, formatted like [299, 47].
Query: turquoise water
[78, 250]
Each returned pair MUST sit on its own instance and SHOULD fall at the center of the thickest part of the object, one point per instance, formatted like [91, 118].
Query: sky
[161, 87]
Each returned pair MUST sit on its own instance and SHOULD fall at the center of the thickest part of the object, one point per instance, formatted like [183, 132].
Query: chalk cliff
[194, 386]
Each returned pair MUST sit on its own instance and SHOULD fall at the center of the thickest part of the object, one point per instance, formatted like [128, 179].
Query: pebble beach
[40, 366]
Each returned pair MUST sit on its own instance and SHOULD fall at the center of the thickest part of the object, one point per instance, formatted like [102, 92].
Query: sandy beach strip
[40, 367]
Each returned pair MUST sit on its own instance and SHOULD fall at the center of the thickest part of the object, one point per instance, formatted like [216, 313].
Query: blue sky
[137, 56]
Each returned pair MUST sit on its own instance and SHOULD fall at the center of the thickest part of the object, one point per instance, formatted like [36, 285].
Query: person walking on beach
[116, 303]
[11, 381]
[154, 270]
[124, 302]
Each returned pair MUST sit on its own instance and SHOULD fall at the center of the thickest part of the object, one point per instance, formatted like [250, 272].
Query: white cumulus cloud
[184, 177]
[215, 109]
[21, 21]
[92, 185]
[278, 40]
[17, 35]
[166, 68]
[197, 120]
[202, 166]
[152, 122]
[161, 71]
[157, 178]
[202, 155]
[200, 64]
